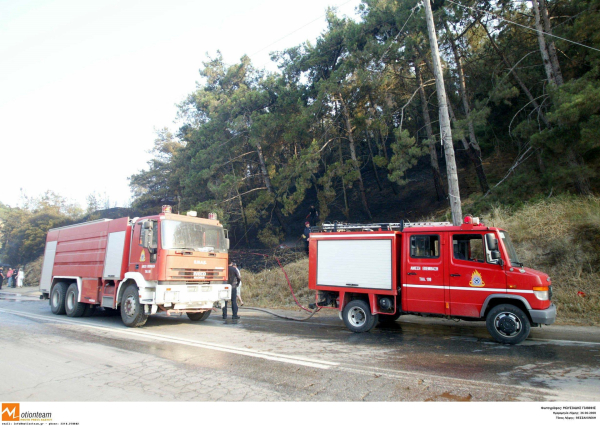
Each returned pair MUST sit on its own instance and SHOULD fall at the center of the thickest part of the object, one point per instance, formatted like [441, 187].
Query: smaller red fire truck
[378, 272]
[165, 263]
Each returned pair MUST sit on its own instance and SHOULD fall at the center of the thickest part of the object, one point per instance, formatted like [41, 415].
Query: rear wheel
[357, 316]
[508, 324]
[198, 316]
[132, 311]
[57, 298]
[73, 308]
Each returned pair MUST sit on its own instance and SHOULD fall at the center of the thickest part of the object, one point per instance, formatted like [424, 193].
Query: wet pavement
[264, 358]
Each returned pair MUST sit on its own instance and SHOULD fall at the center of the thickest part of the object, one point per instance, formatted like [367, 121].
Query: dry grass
[269, 287]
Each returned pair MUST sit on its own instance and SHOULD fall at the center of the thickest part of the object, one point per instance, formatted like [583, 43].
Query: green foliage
[24, 230]
[406, 154]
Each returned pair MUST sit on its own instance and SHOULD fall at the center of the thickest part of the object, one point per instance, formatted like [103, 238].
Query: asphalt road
[263, 358]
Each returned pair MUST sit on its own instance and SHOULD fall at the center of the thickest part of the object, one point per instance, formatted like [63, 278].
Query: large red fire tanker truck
[165, 263]
[378, 272]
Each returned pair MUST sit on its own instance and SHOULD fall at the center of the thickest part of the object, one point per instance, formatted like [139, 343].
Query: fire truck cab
[375, 273]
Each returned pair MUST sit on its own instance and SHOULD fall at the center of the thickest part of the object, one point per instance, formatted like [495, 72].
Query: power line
[298, 29]
[495, 16]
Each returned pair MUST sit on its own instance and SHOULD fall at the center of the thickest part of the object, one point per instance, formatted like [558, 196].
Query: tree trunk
[542, 42]
[435, 166]
[346, 209]
[242, 211]
[372, 161]
[474, 145]
[361, 186]
[445, 129]
[269, 186]
[551, 47]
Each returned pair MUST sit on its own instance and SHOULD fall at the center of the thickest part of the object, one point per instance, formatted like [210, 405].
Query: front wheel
[508, 324]
[198, 316]
[132, 311]
[357, 316]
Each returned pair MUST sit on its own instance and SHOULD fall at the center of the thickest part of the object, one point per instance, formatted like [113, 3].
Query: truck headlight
[542, 293]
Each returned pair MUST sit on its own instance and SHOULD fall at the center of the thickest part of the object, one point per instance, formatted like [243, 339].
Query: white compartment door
[355, 263]
[114, 255]
[47, 267]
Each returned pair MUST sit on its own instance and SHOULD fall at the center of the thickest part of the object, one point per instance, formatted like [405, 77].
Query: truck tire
[57, 298]
[508, 324]
[357, 316]
[73, 308]
[198, 316]
[132, 311]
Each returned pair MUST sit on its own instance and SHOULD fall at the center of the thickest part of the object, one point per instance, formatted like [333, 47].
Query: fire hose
[312, 312]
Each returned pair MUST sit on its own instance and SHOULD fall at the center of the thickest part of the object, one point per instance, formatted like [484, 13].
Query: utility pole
[445, 130]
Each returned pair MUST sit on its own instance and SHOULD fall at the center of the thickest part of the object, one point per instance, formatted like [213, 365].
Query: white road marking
[307, 362]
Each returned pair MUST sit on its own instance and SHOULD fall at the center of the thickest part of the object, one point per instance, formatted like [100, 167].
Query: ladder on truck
[358, 227]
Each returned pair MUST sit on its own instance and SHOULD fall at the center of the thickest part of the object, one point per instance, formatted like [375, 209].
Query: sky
[84, 85]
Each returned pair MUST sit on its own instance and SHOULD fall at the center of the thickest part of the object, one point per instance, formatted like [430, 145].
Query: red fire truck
[378, 272]
[165, 263]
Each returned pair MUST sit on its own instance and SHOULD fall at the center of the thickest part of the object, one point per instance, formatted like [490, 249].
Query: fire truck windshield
[192, 236]
[512, 253]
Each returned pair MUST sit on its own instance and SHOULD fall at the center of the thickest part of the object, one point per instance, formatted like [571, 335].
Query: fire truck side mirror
[491, 242]
[227, 243]
[495, 255]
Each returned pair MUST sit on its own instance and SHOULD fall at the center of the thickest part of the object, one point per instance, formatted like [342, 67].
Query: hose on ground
[283, 316]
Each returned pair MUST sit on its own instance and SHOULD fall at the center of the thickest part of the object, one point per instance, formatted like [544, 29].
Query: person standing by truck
[306, 235]
[1, 277]
[234, 281]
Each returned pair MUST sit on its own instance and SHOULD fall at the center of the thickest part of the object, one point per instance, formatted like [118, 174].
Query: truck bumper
[543, 316]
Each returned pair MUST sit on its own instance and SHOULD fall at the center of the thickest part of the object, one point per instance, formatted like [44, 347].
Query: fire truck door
[423, 276]
[142, 259]
[474, 275]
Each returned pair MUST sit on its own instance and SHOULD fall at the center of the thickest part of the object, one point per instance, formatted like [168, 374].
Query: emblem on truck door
[143, 256]
[476, 280]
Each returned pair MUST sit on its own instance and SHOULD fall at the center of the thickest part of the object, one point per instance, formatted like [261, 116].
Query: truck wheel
[57, 298]
[508, 324]
[198, 316]
[132, 311]
[73, 308]
[389, 319]
[357, 316]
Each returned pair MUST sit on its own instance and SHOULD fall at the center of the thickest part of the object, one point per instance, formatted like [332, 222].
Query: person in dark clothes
[306, 235]
[234, 280]
[1, 277]
[313, 215]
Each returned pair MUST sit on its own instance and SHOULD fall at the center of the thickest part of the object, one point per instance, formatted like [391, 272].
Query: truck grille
[196, 274]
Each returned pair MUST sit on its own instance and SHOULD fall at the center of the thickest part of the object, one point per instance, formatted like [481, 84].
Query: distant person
[234, 280]
[1, 277]
[239, 288]
[313, 215]
[20, 277]
[9, 276]
[306, 235]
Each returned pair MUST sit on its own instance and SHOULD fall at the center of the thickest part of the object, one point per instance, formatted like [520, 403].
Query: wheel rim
[71, 301]
[55, 299]
[357, 316]
[508, 324]
[129, 306]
